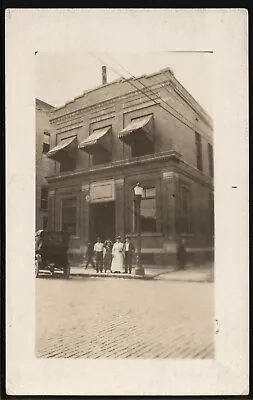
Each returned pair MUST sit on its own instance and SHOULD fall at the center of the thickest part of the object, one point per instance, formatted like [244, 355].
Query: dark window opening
[46, 142]
[141, 147]
[69, 219]
[46, 147]
[69, 164]
[147, 211]
[102, 156]
[199, 151]
[185, 210]
[44, 199]
[210, 158]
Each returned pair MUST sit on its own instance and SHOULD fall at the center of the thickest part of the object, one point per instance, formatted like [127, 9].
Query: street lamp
[138, 193]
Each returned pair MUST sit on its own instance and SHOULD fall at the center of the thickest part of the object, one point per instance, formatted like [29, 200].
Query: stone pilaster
[84, 212]
[120, 207]
[170, 204]
[51, 209]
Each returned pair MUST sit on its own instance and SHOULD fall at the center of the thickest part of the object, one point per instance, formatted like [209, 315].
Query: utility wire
[146, 87]
[138, 89]
[156, 80]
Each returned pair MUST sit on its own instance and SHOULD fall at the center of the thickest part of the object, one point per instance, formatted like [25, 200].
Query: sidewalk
[201, 273]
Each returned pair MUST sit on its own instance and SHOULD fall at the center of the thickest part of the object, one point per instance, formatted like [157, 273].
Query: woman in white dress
[117, 256]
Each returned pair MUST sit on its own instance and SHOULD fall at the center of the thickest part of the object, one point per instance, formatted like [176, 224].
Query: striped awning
[99, 138]
[65, 149]
[138, 125]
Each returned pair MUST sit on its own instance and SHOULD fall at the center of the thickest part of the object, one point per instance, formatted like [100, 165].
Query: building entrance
[102, 221]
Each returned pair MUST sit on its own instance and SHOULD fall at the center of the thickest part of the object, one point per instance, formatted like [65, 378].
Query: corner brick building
[102, 143]
[43, 164]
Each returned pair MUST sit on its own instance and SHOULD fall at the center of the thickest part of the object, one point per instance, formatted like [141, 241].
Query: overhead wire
[148, 88]
[140, 90]
[160, 82]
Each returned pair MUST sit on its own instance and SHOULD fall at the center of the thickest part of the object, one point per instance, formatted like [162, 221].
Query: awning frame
[66, 149]
[135, 127]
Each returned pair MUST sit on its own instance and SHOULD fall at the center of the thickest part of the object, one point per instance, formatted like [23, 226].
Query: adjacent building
[43, 164]
[148, 130]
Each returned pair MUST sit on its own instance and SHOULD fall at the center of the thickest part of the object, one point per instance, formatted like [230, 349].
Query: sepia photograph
[124, 261]
[127, 202]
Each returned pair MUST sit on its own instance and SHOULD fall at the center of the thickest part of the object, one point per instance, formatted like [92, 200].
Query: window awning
[65, 149]
[143, 125]
[100, 138]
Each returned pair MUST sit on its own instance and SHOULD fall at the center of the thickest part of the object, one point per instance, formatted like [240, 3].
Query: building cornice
[112, 100]
[170, 155]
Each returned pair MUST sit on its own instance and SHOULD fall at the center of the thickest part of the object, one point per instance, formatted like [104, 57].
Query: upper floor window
[69, 164]
[65, 153]
[44, 199]
[139, 135]
[210, 159]
[46, 142]
[99, 145]
[142, 147]
[199, 151]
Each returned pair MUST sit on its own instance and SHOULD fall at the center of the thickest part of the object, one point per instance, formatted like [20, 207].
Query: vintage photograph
[124, 242]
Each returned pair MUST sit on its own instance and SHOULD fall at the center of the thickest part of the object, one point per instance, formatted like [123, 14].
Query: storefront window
[147, 211]
[69, 216]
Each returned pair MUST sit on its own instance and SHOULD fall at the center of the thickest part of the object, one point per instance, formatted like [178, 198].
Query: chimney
[104, 75]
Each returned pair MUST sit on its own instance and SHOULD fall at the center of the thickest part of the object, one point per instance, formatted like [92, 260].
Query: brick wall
[117, 103]
[44, 166]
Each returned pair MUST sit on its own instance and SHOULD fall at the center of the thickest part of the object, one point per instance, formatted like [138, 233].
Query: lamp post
[138, 193]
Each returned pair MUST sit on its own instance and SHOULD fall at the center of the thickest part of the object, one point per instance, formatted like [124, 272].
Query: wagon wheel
[67, 271]
[37, 268]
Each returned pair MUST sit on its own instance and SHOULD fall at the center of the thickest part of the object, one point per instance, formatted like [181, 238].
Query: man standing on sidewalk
[128, 252]
[98, 249]
[89, 256]
[108, 254]
[181, 254]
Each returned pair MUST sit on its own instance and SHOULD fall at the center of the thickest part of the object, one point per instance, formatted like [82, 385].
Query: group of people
[116, 258]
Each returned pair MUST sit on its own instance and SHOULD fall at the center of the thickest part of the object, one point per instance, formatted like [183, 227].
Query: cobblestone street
[115, 318]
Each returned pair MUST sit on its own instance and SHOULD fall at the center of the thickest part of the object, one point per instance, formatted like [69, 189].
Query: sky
[60, 77]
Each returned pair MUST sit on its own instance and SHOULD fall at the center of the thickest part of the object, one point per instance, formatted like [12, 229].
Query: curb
[121, 276]
[145, 277]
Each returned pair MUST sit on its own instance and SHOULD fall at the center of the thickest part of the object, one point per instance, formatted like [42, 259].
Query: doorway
[102, 221]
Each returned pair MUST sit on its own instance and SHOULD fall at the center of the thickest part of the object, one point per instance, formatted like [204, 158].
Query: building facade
[43, 164]
[148, 130]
